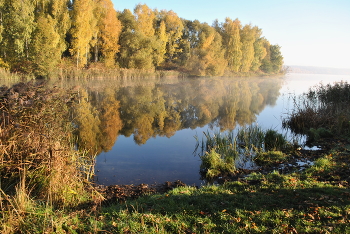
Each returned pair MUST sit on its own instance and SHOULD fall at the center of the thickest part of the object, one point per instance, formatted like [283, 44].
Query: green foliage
[270, 158]
[317, 134]
[322, 166]
[207, 58]
[214, 165]
[251, 137]
[18, 20]
[276, 58]
[274, 140]
[137, 47]
[248, 37]
[230, 31]
[259, 51]
[45, 47]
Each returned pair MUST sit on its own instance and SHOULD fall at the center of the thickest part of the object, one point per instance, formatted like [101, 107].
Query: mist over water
[149, 138]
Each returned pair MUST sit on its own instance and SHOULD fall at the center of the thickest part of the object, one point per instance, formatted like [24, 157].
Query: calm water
[146, 129]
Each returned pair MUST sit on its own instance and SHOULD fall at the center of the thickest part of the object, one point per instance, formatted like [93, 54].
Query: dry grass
[37, 160]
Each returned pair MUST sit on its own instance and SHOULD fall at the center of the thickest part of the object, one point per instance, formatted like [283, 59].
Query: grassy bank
[45, 188]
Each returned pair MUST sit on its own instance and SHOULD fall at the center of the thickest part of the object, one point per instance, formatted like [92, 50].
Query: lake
[143, 131]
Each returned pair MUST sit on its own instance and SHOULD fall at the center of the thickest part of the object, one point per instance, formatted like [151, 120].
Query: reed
[322, 108]
[222, 153]
[98, 71]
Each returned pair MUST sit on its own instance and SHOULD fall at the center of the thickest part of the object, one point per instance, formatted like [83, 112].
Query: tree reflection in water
[148, 109]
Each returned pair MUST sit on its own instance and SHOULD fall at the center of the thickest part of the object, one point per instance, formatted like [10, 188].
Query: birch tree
[82, 31]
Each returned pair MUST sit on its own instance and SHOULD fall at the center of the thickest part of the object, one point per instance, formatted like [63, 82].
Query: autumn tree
[18, 20]
[2, 63]
[276, 58]
[145, 19]
[45, 48]
[259, 51]
[161, 42]
[59, 11]
[174, 30]
[207, 54]
[109, 29]
[82, 30]
[248, 37]
[230, 31]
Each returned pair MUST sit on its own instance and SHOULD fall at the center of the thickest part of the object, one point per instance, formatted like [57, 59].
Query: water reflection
[161, 108]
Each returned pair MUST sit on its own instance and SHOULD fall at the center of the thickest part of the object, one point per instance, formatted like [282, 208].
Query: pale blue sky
[310, 32]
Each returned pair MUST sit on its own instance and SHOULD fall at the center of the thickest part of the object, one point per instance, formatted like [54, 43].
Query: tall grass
[38, 164]
[69, 71]
[323, 106]
[223, 153]
[8, 78]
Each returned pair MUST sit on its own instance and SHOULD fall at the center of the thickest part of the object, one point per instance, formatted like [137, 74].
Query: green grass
[278, 204]
[270, 158]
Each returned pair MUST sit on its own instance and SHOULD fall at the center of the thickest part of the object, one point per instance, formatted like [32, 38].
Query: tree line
[38, 36]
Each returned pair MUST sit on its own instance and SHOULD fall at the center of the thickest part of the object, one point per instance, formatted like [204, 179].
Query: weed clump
[322, 112]
[214, 165]
[224, 154]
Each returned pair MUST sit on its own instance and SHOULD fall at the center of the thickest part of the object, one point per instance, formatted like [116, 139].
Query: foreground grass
[288, 206]
[276, 204]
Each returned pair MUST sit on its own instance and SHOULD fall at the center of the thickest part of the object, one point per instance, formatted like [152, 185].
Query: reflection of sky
[168, 159]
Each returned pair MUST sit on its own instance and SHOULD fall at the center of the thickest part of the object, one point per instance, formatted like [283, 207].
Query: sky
[310, 32]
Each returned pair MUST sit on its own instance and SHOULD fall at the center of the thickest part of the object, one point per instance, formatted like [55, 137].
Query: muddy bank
[120, 193]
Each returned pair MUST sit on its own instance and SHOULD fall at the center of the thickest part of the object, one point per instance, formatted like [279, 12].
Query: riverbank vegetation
[58, 38]
[45, 186]
[224, 154]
